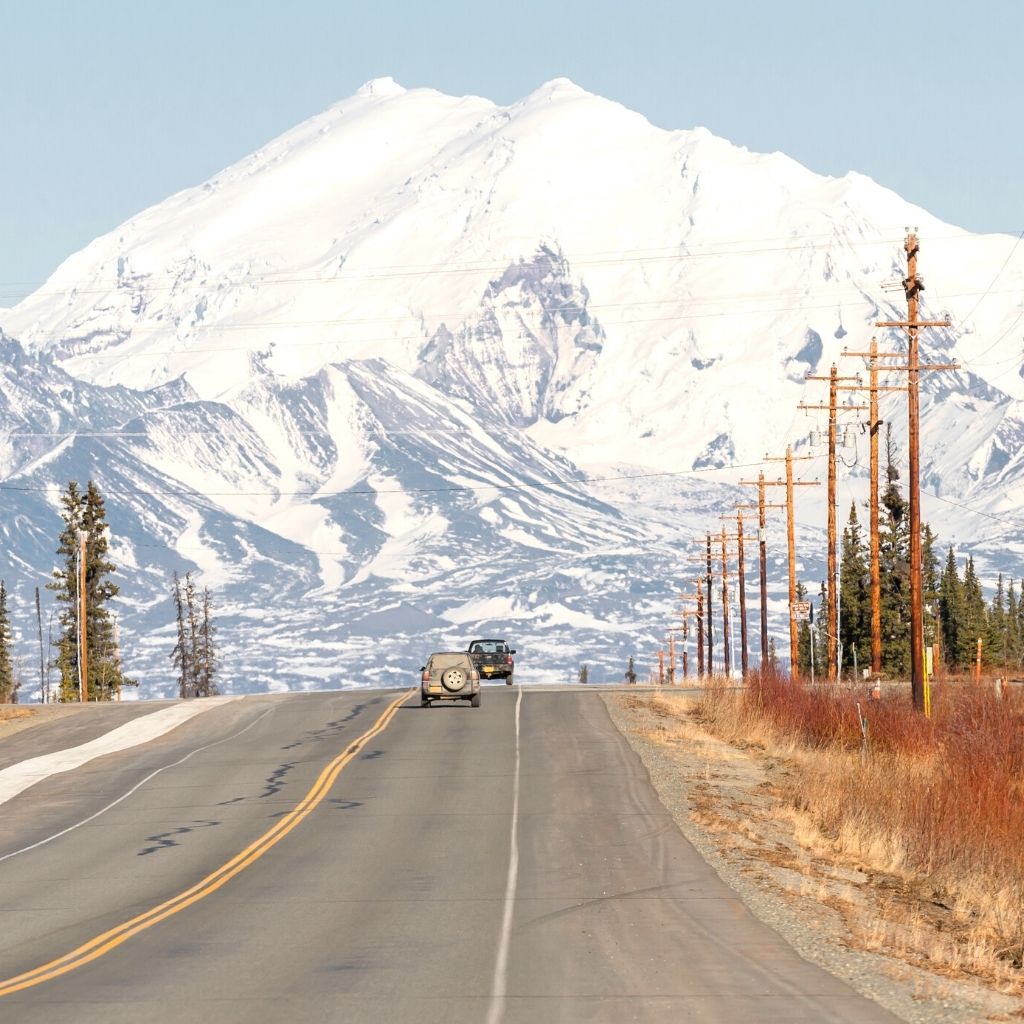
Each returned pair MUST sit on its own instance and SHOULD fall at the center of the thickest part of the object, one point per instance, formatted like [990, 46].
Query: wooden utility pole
[727, 654]
[913, 286]
[83, 637]
[42, 659]
[705, 605]
[789, 483]
[685, 631]
[700, 630]
[794, 640]
[708, 615]
[671, 660]
[762, 567]
[762, 555]
[742, 578]
[740, 572]
[875, 426]
[685, 615]
[833, 379]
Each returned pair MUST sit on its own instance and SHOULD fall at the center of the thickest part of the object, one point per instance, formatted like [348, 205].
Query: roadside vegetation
[85, 568]
[194, 655]
[935, 805]
[957, 622]
[87, 535]
[8, 681]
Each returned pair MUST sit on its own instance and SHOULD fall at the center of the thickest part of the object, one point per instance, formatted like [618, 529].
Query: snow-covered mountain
[387, 380]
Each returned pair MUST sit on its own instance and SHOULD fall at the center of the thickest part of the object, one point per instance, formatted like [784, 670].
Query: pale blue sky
[108, 106]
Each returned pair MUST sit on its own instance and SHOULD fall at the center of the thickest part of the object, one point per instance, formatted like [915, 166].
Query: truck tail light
[508, 660]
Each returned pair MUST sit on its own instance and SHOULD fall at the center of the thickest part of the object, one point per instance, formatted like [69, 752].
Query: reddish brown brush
[939, 801]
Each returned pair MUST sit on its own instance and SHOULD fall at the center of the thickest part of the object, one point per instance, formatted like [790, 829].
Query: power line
[319, 342]
[984, 294]
[355, 492]
[682, 251]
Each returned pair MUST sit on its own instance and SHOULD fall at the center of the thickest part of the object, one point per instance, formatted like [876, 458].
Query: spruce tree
[206, 659]
[894, 566]
[930, 581]
[8, 682]
[180, 656]
[951, 612]
[65, 584]
[854, 596]
[803, 638]
[974, 618]
[996, 634]
[86, 512]
[1013, 626]
[820, 634]
[1018, 626]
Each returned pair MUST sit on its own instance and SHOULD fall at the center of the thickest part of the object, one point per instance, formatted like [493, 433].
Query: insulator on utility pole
[832, 589]
[700, 630]
[913, 286]
[789, 483]
[762, 543]
[708, 616]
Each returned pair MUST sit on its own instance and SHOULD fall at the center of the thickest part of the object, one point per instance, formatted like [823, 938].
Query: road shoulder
[723, 800]
[71, 742]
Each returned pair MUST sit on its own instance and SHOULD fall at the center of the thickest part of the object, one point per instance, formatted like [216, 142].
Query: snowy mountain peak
[561, 87]
[385, 86]
[414, 325]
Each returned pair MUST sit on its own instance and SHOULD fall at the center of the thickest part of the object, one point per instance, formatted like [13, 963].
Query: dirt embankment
[14, 717]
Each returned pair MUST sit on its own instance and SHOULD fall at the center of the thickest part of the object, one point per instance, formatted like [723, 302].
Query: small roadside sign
[800, 610]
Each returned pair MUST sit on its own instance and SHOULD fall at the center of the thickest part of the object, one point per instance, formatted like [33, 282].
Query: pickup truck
[493, 659]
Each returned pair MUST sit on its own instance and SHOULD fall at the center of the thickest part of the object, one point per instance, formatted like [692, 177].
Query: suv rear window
[439, 662]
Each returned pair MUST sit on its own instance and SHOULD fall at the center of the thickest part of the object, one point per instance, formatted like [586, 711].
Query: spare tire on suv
[449, 675]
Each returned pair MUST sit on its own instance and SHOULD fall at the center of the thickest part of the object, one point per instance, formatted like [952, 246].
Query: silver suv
[449, 675]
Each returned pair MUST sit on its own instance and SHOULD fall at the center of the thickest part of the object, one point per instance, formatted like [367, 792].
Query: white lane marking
[19, 777]
[135, 788]
[500, 983]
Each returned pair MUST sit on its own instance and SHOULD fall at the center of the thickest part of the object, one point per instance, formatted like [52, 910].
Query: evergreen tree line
[193, 655]
[955, 614]
[86, 513]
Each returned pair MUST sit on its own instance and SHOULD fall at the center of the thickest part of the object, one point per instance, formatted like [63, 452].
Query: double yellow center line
[102, 944]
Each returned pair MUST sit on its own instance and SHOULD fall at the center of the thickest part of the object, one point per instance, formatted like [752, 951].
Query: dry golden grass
[932, 810]
[9, 712]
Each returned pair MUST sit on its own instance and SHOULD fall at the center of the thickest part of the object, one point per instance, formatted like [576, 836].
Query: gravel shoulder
[724, 800]
[29, 730]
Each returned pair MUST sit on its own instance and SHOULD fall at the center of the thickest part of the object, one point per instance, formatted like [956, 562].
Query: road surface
[503, 865]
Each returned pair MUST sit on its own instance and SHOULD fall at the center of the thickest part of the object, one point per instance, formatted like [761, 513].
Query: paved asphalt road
[451, 872]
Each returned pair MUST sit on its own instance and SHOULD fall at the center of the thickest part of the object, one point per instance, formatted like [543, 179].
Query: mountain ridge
[376, 363]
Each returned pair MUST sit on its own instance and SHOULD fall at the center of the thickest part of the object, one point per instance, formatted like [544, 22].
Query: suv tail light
[508, 660]
[425, 678]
